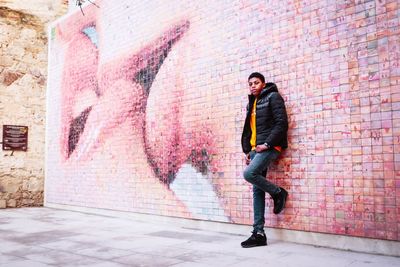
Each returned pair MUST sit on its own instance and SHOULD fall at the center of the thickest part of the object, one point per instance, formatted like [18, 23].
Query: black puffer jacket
[271, 119]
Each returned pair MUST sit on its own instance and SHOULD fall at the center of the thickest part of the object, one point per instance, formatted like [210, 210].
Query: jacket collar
[269, 87]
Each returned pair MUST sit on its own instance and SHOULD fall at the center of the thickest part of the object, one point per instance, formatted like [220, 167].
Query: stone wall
[23, 75]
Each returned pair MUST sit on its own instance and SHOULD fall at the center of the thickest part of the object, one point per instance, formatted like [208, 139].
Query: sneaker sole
[252, 246]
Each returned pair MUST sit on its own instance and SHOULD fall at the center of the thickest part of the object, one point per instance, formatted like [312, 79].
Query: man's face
[256, 86]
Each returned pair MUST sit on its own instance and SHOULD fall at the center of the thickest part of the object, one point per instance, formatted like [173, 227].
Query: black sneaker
[280, 200]
[255, 240]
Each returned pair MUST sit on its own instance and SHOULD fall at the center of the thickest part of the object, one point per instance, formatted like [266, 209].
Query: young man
[264, 137]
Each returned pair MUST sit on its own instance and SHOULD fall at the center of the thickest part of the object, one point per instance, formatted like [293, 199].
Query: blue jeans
[255, 174]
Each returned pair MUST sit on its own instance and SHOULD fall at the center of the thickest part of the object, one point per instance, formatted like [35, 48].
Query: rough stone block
[12, 203]
[11, 186]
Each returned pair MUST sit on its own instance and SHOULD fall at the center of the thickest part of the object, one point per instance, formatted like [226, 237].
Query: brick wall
[147, 104]
[23, 74]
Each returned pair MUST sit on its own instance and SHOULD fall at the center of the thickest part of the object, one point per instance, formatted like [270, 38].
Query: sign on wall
[15, 137]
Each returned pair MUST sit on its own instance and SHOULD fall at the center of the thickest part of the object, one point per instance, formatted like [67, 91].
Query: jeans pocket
[252, 154]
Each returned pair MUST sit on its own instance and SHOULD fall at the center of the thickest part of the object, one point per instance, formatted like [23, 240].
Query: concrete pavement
[37, 237]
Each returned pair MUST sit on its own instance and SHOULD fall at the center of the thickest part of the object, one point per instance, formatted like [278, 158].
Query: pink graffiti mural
[100, 99]
[146, 107]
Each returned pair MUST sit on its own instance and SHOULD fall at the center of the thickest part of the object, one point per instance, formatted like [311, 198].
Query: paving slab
[38, 237]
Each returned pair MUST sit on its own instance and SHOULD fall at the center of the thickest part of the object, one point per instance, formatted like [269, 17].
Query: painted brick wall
[146, 104]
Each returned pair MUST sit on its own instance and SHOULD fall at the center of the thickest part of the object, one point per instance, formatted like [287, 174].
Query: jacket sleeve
[246, 134]
[280, 123]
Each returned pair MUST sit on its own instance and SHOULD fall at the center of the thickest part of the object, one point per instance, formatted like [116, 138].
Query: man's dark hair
[257, 75]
